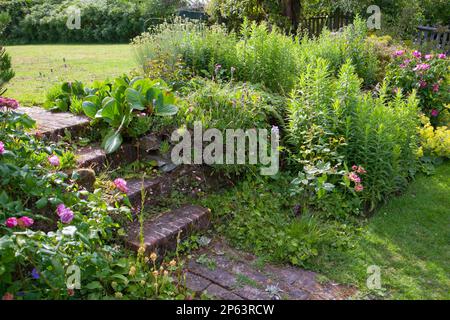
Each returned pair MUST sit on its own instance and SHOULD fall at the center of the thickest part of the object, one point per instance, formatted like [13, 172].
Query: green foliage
[427, 74]
[257, 216]
[101, 21]
[331, 120]
[228, 106]
[258, 55]
[6, 72]
[36, 260]
[66, 96]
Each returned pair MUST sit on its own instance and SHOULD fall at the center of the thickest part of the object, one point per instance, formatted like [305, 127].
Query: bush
[332, 121]
[49, 224]
[228, 106]
[425, 73]
[435, 142]
[259, 56]
[101, 21]
[6, 72]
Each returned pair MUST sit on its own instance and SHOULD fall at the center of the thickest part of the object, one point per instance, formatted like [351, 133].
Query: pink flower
[65, 214]
[8, 103]
[361, 170]
[422, 66]
[354, 167]
[2, 148]
[428, 56]
[399, 53]
[442, 56]
[359, 187]
[11, 222]
[436, 87]
[354, 177]
[8, 296]
[434, 113]
[25, 222]
[417, 54]
[422, 84]
[121, 185]
[54, 161]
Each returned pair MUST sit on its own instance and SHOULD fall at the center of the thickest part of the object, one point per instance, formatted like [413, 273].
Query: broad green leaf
[89, 109]
[112, 142]
[135, 99]
[166, 110]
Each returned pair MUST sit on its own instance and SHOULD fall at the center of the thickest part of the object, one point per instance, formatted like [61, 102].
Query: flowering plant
[424, 72]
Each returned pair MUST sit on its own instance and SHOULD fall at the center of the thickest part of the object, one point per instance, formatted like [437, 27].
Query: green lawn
[409, 239]
[39, 67]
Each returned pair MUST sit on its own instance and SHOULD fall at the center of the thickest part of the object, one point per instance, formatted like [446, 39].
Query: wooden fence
[438, 37]
[314, 25]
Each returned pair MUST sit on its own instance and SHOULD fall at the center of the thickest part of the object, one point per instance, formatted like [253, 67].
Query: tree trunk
[292, 9]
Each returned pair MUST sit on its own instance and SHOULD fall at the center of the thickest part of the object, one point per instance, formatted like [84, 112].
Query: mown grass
[408, 239]
[39, 67]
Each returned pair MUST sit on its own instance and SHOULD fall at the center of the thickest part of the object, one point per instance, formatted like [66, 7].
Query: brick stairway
[160, 233]
[229, 274]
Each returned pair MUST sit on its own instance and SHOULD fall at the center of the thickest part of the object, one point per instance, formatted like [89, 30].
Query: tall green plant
[6, 71]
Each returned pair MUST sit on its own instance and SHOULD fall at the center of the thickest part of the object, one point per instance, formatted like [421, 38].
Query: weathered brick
[221, 293]
[157, 235]
[196, 283]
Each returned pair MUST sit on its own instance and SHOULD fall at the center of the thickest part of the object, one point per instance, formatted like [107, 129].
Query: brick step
[53, 125]
[94, 157]
[228, 273]
[160, 233]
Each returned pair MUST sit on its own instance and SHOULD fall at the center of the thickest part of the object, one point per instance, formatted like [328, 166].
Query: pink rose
[354, 167]
[25, 222]
[434, 113]
[359, 187]
[11, 222]
[121, 185]
[2, 148]
[54, 161]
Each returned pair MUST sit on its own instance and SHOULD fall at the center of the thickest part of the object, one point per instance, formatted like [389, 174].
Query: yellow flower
[146, 259]
[141, 250]
[153, 256]
[132, 271]
[119, 295]
[142, 282]
[155, 273]
[172, 263]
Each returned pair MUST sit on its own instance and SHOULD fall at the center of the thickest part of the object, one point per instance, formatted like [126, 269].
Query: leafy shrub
[37, 249]
[435, 142]
[62, 97]
[336, 48]
[425, 73]
[6, 72]
[101, 21]
[227, 106]
[270, 58]
[331, 120]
